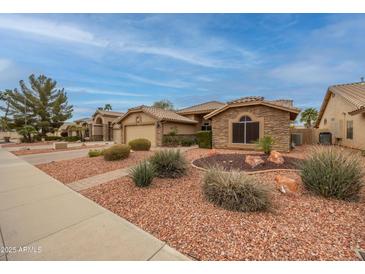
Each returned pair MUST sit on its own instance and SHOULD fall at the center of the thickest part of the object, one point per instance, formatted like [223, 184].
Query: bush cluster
[143, 174]
[333, 172]
[204, 139]
[95, 152]
[71, 138]
[140, 144]
[235, 191]
[52, 138]
[176, 140]
[169, 163]
[116, 152]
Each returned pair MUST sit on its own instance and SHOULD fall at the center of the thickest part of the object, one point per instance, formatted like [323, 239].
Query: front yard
[300, 227]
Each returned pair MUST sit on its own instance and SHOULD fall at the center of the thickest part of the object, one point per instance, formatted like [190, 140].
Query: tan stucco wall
[337, 116]
[117, 134]
[131, 120]
[184, 129]
[273, 122]
[199, 118]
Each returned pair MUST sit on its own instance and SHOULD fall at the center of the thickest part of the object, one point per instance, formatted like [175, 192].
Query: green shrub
[235, 191]
[170, 140]
[52, 138]
[116, 152]
[71, 138]
[95, 153]
[140, 144]
[143, 174]
[204, 139]
[265, 144]
[169, 163]
[187, 142]
[333, 172]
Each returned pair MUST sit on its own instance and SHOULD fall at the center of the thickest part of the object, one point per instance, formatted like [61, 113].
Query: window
[350, 130]
[206, 126]
[245, 131]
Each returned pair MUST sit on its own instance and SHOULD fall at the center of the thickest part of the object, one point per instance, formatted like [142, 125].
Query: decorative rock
[276, 158]
[331, 210]
[254, 161]
[286, 184]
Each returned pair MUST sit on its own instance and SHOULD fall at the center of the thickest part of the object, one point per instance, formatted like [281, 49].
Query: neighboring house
[240, 123]
[342, 114]
[198, 112]
[101, 127]
[152, 123]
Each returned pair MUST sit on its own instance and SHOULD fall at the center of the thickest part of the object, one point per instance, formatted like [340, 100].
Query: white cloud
[171, 84]
[50, 29]
[88, 90]
[4, 64]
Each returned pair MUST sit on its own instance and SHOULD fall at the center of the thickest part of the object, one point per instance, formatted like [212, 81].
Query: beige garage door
[146, 131]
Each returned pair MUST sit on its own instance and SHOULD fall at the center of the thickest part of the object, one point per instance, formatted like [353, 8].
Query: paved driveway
[42, 219]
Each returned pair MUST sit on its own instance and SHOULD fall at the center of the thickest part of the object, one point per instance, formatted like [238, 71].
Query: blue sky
[132, 59]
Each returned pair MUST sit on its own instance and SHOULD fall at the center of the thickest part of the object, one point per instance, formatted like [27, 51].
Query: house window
[245, 131]
[206, 126]
[350, 130]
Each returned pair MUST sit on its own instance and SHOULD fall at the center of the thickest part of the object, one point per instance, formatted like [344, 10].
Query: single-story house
[101, 127]
[197, 113]
[240, 123]
[152, 123]
[342, 114]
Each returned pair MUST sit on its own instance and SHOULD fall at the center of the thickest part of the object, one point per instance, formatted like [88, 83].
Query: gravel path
[68, 171]
[301, 227]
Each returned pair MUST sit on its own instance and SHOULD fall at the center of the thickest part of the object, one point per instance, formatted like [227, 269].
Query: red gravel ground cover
[47, 150]
[68, 171]
[300, 227]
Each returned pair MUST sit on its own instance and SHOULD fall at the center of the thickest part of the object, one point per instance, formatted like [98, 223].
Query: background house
[152, 123]
[342, 115]
[101, 126]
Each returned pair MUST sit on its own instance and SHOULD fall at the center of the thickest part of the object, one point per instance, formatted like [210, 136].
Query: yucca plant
[235, 190]
[142, 174]
[265, 144]
[169, 163]
[333, 172]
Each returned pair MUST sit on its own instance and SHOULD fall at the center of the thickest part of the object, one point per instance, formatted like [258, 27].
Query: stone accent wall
[273, 122]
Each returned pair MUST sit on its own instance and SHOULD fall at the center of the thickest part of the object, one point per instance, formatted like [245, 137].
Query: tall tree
[43, 105]
[4, 120]
[164, 104]
[308, 116]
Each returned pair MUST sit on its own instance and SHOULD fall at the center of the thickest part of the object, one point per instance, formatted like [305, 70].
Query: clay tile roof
[201, 108]
[286, 105]
[353, 93]
[246, 99]
[160, 114]
[110, 113]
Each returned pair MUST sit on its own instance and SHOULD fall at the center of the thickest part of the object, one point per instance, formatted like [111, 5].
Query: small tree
[108, 107]
[164, 104]
[4, 120]
[28, 132]
[265, 144]
[308, 116]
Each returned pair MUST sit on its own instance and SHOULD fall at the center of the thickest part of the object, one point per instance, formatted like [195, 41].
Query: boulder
[276, 157]
[253, 161]
[286, 185]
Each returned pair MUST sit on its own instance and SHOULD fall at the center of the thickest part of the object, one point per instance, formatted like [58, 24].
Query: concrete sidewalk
[42, 219]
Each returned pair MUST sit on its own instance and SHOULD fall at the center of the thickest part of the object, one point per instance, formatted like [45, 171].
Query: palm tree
[27, 132]
[308, 116]
[108, 107]
[164, 104]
